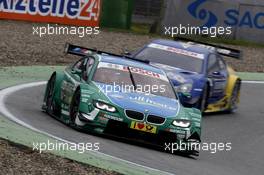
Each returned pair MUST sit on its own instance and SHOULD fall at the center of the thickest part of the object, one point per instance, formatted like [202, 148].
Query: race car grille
[155, 119]
[134, 115]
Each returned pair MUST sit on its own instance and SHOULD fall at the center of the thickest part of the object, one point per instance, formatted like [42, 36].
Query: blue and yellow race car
[198, 71]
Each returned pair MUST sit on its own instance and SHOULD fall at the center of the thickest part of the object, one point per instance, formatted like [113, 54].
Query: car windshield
[132, 79]
[179, 58]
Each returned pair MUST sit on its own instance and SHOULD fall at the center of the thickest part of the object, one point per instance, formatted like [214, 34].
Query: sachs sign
[76, 12]
[231, 17]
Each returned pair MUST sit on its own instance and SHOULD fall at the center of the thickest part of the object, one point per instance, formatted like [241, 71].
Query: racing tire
[74, 111]
[202, 104]
[234, 98]
[52, 107]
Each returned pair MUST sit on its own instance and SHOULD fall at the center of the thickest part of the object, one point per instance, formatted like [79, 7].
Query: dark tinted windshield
[141, 81]
[173, 57]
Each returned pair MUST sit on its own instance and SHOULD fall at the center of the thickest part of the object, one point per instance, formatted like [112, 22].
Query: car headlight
[181, 123]
[185, 88]
[104, 106]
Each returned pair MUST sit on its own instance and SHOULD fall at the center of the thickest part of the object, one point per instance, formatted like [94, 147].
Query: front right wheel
[202, 103]
[75, 122]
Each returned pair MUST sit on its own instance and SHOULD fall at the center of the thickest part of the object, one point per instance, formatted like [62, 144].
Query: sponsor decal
[119, 96]
[64, 112]
[76, 12]
[178, 131]
[202, 14]
[142, 71]
[133, 70]
[85, 100]
[86, 95]
[84, 51]
[197, 124]
[164, 66]
[144, 100]
[102, 119]
[251, 20]
[143, 127]
[65, 106]
[196, 117]
[177, 50]
[85, 91]
[113, 117]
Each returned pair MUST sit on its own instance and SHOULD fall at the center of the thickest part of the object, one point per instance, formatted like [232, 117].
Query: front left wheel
[52, 107]
[234, 98]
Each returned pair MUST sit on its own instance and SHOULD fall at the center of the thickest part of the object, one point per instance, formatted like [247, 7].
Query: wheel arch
[58, 82]
[232, 80]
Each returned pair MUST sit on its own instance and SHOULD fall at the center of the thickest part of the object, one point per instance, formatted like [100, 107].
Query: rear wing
[225, 51]
[83, 51]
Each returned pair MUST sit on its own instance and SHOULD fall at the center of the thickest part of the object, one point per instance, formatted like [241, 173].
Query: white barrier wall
[246, 17]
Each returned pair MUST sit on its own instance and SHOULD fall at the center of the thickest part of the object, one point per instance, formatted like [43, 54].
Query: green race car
[110, 94]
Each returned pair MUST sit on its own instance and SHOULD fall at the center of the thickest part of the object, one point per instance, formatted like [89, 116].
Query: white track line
[3, 109]
[253, 82]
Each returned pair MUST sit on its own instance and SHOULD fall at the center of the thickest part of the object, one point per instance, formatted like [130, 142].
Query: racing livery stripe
[177, 50]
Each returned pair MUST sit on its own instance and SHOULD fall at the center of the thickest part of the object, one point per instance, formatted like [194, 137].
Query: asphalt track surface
[244, 129]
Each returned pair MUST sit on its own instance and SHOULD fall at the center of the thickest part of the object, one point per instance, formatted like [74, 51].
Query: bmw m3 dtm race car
[105, 93]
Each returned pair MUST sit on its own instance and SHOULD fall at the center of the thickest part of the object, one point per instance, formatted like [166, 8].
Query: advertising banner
[246, 20]
[74, 12]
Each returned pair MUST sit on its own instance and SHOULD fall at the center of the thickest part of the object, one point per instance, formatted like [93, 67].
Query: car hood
[151, 104]
[179, 76]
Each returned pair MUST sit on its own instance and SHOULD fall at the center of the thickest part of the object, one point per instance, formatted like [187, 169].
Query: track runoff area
[21, 104]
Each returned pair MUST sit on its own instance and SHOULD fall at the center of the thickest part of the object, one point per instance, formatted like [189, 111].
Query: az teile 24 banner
[75, 12]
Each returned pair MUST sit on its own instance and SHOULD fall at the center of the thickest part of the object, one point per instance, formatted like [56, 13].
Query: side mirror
[127, 53]
[186, 95]
[216, 73]
[182, 94]
[76, 71]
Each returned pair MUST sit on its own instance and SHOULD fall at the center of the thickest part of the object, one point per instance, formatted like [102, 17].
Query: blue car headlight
[185, 88]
